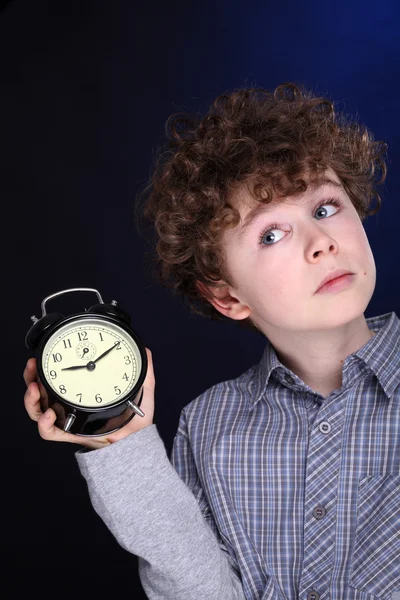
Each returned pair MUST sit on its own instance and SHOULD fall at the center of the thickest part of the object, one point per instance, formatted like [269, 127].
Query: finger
[150, 381]
[30, 371]
[147, 402]
[32, 401]
[48, 430]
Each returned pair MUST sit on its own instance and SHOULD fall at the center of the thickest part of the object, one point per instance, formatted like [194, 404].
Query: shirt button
[319, 512]
[313, 595]
[325, 427]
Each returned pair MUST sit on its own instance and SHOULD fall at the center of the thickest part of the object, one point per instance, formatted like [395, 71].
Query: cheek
[367, 251]
[367, 265]
[359, 247]
[275, 291]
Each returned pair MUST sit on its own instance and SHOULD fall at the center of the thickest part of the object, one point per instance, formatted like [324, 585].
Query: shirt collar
[381, 355]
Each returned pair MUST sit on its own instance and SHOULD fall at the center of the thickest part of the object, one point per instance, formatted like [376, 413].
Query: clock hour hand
[72, 368]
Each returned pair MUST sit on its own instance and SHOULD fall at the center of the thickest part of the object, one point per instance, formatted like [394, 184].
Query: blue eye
[270, 228]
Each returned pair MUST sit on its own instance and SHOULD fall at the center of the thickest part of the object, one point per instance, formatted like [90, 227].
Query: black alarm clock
[91, 366]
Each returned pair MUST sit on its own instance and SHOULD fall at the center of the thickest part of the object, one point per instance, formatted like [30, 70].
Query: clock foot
[134, 407]
[70, 419]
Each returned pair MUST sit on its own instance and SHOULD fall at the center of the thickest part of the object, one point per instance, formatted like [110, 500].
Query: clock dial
[91, 362]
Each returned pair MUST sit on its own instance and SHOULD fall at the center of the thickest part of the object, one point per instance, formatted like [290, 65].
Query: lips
[333, 275]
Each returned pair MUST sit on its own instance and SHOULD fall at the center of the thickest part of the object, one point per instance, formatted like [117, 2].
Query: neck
[317, 358]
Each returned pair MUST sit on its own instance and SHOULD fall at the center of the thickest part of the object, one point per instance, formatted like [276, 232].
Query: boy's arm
[152, 513]
[183, 461]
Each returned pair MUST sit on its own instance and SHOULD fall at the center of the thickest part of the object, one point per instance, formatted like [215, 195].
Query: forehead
[250, 208]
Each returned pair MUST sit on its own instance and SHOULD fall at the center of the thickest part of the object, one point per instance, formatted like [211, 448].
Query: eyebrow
[262, 208]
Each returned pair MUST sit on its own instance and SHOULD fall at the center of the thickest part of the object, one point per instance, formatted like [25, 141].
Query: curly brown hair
[266, 140]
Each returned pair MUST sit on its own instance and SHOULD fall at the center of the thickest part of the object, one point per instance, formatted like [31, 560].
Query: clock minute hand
[104, 353]
[92, 362]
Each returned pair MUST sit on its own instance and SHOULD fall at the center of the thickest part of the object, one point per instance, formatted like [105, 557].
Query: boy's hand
[47, 429]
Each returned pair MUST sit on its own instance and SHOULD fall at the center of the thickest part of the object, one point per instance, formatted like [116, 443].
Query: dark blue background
[85, 90]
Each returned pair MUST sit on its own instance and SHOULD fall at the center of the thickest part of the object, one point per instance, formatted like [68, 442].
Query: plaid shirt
[301, 491]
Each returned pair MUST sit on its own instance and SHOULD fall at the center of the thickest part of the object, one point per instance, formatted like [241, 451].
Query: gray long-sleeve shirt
[273, 491]
[151, 512]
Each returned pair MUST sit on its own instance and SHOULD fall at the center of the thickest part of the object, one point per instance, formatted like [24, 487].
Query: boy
[285, 481]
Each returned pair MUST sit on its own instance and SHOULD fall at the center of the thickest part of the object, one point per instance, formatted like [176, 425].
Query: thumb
[149, 384]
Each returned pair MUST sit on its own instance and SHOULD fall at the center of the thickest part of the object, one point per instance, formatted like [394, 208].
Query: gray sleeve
[150, 511]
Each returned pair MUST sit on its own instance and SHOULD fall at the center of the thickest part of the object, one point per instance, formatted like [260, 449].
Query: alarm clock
[90, 365]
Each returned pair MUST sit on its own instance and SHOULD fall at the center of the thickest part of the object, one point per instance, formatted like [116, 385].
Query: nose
[318, 252]
[321, 243]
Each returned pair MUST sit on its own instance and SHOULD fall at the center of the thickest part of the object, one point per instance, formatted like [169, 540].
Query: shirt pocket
[375, 567]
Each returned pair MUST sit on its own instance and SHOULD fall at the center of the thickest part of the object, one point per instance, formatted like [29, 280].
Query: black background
[85, 90]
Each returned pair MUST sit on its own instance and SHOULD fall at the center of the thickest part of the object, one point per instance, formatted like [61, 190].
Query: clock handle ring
[65, 292]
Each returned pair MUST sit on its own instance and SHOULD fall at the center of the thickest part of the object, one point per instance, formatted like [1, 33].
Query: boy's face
[275, 283]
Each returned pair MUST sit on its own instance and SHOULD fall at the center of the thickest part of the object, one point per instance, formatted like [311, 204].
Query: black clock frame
[91, 421]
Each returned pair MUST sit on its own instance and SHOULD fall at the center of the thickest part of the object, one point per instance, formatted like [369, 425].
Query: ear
[224, 302]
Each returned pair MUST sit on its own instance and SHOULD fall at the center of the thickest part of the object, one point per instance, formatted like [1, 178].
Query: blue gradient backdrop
[85, 90]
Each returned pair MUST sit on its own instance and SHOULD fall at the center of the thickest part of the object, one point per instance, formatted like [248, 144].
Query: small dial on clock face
[86, 350]
[74, 365]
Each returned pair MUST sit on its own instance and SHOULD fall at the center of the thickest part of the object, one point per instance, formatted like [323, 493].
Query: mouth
[332, 277]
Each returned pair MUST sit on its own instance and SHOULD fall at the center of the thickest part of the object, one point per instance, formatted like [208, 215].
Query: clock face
[91, 362]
